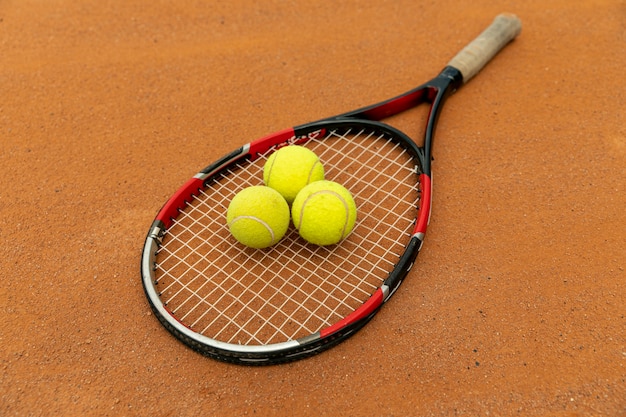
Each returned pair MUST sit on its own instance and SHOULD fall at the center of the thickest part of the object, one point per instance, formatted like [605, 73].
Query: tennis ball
[258, 216]
[290, 168]
[324, 212]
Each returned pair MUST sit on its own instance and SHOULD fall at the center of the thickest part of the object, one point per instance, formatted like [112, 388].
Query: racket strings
[257, 297]
[386, 186]
[280, 299]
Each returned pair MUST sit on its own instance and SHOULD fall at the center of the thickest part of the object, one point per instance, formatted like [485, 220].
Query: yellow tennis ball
[324, 212]
[290, 168]
[258, 217]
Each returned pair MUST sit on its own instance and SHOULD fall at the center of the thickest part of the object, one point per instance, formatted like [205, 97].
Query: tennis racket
[295, 299]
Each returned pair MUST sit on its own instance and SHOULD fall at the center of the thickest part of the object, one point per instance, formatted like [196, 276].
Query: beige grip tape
[477, 53]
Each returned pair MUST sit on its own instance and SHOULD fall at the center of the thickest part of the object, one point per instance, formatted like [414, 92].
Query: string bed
[239, 295]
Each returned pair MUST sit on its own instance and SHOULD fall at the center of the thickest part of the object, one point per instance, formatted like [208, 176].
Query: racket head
[293, 299]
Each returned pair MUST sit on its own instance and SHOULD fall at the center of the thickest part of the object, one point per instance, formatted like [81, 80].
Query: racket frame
[335, 333]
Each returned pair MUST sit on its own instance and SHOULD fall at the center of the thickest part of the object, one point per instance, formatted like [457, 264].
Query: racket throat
[439, 89]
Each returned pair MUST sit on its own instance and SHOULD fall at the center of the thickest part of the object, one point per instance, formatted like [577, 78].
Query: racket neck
[440, 88]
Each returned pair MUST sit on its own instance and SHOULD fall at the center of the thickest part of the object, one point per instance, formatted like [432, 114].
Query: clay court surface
[517, 303]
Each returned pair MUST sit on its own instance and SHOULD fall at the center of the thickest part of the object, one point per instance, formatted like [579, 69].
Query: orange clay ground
[516, 305]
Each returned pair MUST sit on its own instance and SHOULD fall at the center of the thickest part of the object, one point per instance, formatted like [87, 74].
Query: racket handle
[477, 53]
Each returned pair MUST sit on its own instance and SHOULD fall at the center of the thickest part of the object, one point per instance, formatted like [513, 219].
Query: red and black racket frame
[435, 92]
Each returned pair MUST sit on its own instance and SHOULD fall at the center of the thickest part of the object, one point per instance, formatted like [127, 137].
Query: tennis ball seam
[263, 223]
[333, 193]
[312, 170]
[271, 167]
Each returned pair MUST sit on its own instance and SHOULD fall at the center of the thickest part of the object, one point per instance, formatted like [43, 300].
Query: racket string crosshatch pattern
[239, 295]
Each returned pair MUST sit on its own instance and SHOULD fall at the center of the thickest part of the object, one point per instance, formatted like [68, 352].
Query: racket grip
[477, 53]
